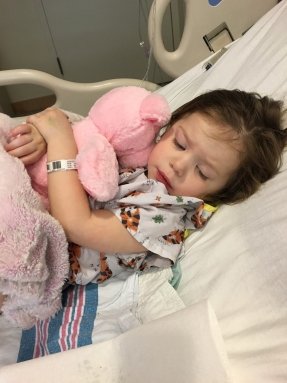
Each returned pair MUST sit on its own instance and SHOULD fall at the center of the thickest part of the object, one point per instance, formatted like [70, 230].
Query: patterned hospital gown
[156, 219]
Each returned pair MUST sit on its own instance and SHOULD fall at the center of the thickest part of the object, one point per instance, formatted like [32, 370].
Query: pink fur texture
[119, 130]
[33, 248]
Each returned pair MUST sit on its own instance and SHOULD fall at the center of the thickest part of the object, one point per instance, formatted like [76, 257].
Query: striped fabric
[71, 328]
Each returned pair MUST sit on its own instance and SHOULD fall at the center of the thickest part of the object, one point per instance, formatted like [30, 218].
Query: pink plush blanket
[33, 248]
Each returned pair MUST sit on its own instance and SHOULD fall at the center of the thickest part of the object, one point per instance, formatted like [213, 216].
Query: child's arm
[99, 229]
[26, 143]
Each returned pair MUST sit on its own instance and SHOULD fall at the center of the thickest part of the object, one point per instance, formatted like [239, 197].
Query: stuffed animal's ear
[155, 109]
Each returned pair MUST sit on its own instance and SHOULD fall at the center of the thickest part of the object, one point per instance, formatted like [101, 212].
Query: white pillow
[239, 263]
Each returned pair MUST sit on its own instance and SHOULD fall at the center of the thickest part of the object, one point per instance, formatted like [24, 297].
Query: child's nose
[180, 165]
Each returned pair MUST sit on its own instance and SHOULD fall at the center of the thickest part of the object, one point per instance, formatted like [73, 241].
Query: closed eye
[178, 145]
[201, 174]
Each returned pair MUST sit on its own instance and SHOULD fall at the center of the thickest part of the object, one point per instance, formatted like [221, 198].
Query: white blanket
[182, 347]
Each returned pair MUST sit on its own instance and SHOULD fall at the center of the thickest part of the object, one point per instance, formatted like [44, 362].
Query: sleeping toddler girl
[218, 148]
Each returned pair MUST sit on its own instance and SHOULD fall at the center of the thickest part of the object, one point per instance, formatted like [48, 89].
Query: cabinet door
[25, 42]
[100, 39]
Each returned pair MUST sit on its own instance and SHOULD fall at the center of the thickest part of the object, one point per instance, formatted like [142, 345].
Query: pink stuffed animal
[119, 130]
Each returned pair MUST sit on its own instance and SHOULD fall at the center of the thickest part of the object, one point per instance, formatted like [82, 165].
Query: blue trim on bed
[26, 351]
[71, 327]
[89, 316]
[54, 325]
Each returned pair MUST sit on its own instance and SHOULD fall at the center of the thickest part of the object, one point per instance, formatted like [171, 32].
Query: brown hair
[259, 124]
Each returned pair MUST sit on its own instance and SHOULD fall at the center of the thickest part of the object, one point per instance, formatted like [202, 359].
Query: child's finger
[34, 118]
[18, 141]
[27, 153]
[30, 159]
[20, 129]
[19, 152]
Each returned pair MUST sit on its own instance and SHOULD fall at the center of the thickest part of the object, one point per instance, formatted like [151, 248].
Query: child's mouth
[161, 177]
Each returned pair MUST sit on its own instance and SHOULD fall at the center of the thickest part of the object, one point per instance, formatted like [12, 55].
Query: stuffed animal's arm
[98, 168]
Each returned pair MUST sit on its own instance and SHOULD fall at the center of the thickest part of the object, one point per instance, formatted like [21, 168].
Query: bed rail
[76, 97]
[200, 19]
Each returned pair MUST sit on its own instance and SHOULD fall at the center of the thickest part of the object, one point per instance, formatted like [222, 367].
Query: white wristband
[60, 165]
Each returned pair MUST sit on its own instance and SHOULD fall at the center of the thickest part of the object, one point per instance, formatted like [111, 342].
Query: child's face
[195, 157]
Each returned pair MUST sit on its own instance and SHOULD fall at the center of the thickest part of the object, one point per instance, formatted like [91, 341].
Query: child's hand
[26, 143]
[52, 123]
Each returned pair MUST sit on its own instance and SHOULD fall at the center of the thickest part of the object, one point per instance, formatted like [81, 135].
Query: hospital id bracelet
[60, 165]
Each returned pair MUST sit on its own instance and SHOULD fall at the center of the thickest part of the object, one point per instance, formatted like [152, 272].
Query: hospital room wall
[82, 41]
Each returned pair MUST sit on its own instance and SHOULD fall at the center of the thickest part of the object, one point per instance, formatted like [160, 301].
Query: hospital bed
[227, 319]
